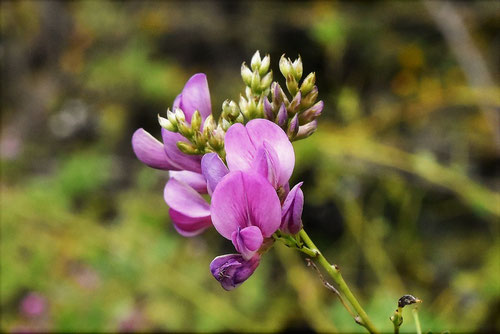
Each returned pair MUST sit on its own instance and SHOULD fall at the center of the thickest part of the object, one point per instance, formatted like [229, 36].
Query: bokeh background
[401, 179]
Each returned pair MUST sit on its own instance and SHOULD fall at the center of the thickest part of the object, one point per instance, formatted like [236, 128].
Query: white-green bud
[209, 125]
[297, 68]
[196, 120]
[246, 74]
[265, 83]
[225, 124]
[256, 61]
[185, 129]
[179, 115]
[264, 65]
[166, 124]
[243, 104]
[187, 148]
[285, 66]
[292, 85]
[171, 117]
[256, 82]
[234, 111]
[308, 83]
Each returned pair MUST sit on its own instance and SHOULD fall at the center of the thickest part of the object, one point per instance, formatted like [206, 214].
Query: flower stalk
[335, 274]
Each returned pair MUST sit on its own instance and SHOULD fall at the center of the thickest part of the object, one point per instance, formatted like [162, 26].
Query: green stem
[417, 320]
[335, 274]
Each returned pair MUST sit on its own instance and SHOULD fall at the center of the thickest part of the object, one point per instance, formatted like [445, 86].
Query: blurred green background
[401, 179]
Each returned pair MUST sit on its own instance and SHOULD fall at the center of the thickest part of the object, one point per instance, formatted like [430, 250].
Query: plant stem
[335, 274]
[417, 320]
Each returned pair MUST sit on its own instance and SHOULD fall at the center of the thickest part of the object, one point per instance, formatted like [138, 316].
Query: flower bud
[282, 117]
[292, 85]
[297, 68]
[246, 74]
[311, 113]
[232, 269]
[264, 65]
[255, 83]
[171, 117]
[209, 126]
[225, 125]
[166, 124]
[196, 121]
[216, 140]
[256, 61]
[185, 129]
[294, 105]
[187, 148]
[234, 110]
[291, 211]
[306, 130]
[293, 128]
[179, 115]
[285, 66]
[268, 110]
[309, 99]
[266, 81]
[308, 83]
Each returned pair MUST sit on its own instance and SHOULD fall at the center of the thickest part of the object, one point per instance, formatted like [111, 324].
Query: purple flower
[245, 209]
[263, 146]
[194, 96]
[189, 211]
[33, 304]
[232, 269]
[291, 212]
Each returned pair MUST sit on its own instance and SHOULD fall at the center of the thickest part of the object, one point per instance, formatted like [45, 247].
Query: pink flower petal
[150, 151]
[245, 199]
[194, 180]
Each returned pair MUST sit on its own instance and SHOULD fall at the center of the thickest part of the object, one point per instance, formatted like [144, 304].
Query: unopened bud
[293, 128]
[196, 120]
[308, 83]
[292, 85]
[225, 124]
[282, 117]
[309, 99]
[294, 105]
[246, 74]
[234, 110]
[166, 124]
[187, 148]
[266, 81]
[179, 115]
[285, 66]
[243, 104]
[209, 125]
[311, 113]
[268, 110]
[306, 130]
[256, 61]
[185, 129]
[264, 65]
[291, 213]
[297, 68]
[255, 83]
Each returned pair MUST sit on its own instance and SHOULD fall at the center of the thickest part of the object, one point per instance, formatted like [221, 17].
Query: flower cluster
[243, 162]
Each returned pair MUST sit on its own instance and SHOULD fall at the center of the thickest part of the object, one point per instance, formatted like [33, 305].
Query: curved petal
[240, 150]
[194, 180]
[184, 199]
[266, 163]
[291, 212]
[196, 96]
[213, 170]
[184, 161]
[245, 199]
[189, 226]
[150, 151]
[261, 130]
[242, 143]
[247, 241]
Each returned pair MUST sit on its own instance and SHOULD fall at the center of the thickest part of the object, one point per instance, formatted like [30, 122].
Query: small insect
[222, 273]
